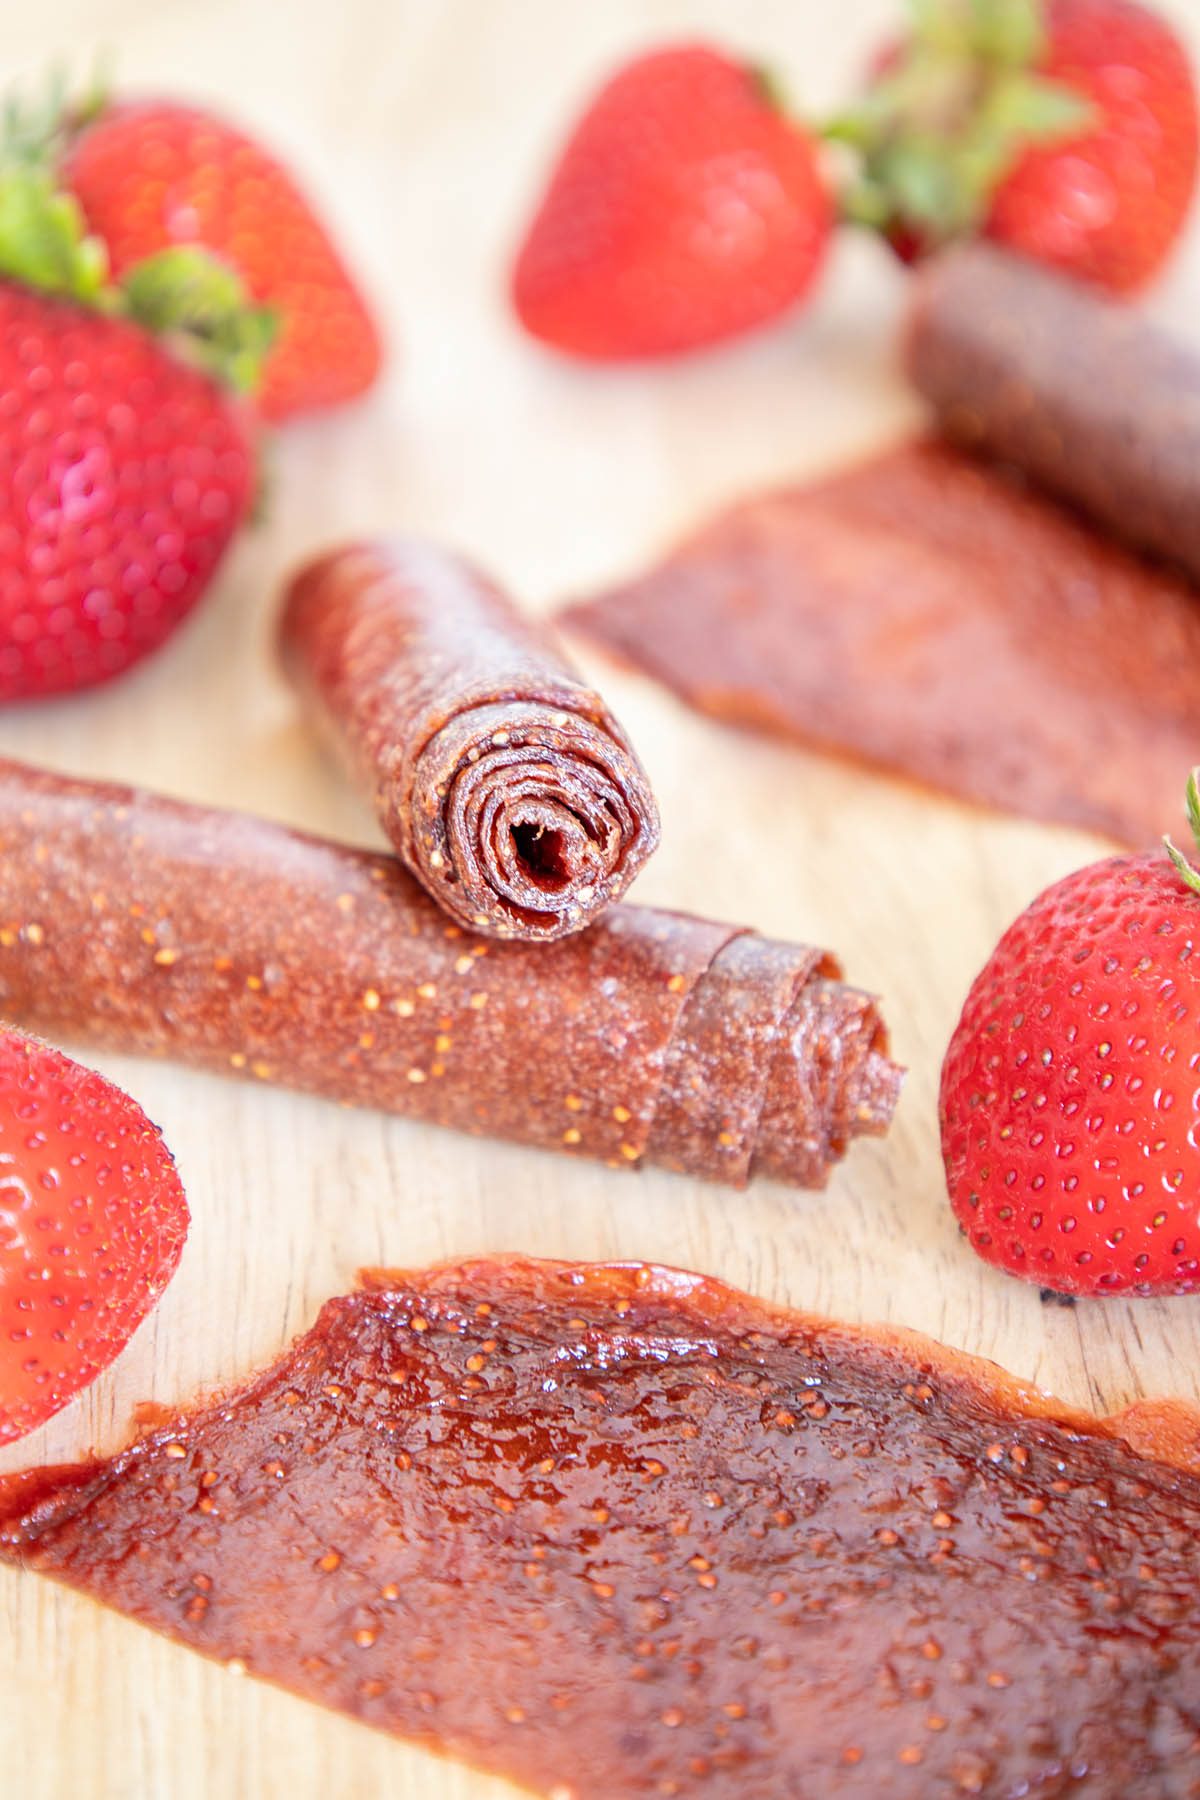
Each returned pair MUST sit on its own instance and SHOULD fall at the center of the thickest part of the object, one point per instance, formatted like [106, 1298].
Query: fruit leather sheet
[619, 1531]
[933, 615]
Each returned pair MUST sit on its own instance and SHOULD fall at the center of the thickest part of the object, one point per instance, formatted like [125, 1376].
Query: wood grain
[424, 128]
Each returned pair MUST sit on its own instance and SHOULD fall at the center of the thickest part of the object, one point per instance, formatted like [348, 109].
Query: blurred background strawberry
[690, 205]
[1066, 129]
[161, 281]
[151, 174]
[686, 207]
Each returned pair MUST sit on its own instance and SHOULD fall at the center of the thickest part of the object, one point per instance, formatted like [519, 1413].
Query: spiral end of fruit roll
[831, 1081]
[529, 820]
[774, 1068]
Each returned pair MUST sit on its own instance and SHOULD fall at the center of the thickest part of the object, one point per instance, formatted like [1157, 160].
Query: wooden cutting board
[424, 129]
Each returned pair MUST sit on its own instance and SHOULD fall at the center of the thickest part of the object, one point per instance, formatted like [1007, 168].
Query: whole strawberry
[1067, 129]
[92, 1225]
[156, 174]
[126, 458]
[1070, 1087]
[686, 208]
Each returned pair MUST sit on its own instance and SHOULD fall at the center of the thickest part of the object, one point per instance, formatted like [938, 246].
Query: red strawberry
[124, 470]
[92, 1224]
[1108, 204]
[123, 476]
[685, 208]
[156, 174]
[1065, 128]
[1071, 1088]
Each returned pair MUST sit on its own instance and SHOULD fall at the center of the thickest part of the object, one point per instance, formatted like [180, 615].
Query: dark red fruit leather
[619, 1531]
[929, 615]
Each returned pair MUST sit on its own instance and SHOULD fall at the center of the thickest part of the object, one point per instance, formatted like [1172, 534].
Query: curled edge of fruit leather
[506, 785]
[685, 1532]
[154, 927]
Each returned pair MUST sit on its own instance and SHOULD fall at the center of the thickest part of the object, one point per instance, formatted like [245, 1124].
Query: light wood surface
[425, 128]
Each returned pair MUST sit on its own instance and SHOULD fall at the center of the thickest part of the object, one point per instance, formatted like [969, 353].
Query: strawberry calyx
[37, 130]
[946, 116]
[1184, 868]
[184, 294]
[43, 241]
[191, 296]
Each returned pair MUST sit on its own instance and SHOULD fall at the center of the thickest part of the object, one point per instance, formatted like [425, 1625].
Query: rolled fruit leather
[506, 785]
[617, 1531]
[147, 925]
[1087, 396]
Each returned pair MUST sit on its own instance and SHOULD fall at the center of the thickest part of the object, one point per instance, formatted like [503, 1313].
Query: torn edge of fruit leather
[506, 785]
[151, 926]
[617, 1530]
[929, 614]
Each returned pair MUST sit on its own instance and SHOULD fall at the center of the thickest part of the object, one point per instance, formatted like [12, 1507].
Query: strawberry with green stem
[92, 1225]
[155, 174]
[1066, 129]
[127, 459]
[1070, 1091]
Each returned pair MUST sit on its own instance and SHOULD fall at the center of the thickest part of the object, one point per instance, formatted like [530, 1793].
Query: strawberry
[1108, 204]
[686, 208]
[1070, 1088]
[1067, 129]
[153, 174]
[124, 469]
[92, 1225]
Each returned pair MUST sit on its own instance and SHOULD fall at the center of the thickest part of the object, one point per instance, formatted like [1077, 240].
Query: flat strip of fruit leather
[616, 1531]
[506, 785]
[1086, 395]
[147, 925]
[929, 615]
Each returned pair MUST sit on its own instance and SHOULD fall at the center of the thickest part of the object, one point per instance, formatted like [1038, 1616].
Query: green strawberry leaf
[934, 135]
[1029, 108]
[1007, 31]
[30, 128]
[188, 293]
[1192, 801]
[923, 182]
[38, 129]
[864, 202]
[43, 239]
[941, 25]
[184, 294]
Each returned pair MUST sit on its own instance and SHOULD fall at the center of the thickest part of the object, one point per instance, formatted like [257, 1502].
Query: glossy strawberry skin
[1070, 1094]
[152, 174]
[92, 1225]
[123, 477]
[685, 209]
[1108, 205]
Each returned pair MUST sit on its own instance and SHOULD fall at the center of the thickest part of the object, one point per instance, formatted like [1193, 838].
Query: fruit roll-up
[504, 782]
[1089, 398]
[148, 925]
